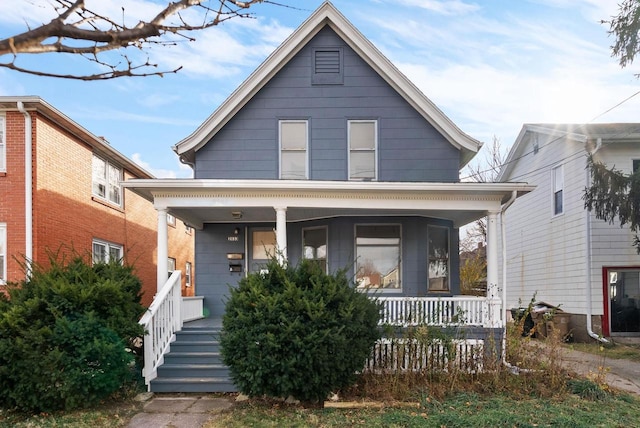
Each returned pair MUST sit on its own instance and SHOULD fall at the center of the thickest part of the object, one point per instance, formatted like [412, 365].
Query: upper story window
[3, 253]
[3, 146]
[293, 149]
[363, 141]
[327, 66]
[106, 252]
[378, 256]
[558, 190]
[106, 181]
[438, 263]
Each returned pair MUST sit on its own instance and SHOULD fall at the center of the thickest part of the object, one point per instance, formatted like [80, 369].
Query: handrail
[161, 321]
[454, 310]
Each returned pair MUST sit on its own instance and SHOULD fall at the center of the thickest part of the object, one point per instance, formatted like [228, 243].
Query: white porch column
[492, 271]
[281, 233]
[162, 261]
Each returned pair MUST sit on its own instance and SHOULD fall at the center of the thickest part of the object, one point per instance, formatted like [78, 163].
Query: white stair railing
[161, 322]
[455, 310]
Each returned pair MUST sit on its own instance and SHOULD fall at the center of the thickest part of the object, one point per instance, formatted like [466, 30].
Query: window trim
[281, 150]
[171, 220]
[375, 149]
[448, 234]
[108, 245]
[399, 289]
[554, 207]
[187, 274]
[326, 240]
[107, 183]
[3, 143]
[3, 245]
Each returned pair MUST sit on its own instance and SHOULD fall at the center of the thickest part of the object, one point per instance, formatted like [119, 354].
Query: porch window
[293, 149]
[3, 146]
[105, 252]
[263, 247]
[558, 187]
[378, 257]
[187, 274]
[363, 136]
[438, 264]
[314, 245]
[3, 253]
[106, 181]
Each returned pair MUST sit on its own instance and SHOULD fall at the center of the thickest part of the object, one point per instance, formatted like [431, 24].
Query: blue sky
[489, 65]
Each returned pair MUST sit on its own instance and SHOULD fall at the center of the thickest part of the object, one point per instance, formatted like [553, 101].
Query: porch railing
[161, 321]
[455, 311]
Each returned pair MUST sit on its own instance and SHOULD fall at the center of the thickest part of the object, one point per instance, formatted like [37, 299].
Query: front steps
[194, 364]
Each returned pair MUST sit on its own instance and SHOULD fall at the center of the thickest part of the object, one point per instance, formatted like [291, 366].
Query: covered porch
[221, 208]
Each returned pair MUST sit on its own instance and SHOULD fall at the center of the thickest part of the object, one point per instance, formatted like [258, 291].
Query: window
[171, 220]
[263, 247]
[362, 149]
[636, 165]
[3, 146]
[293, 149]
[188, 229]
[3, 253]
[105, 252]
[106, 181]
[558, 186]
[438, 264]
[327, 66]
[187, 274]
[171, 266]
[314, 245]
[378, 256]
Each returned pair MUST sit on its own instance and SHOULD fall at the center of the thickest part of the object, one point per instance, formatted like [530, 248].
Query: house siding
[409, 148]
[546, 252]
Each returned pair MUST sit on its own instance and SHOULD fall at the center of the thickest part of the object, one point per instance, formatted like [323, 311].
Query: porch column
[492, 271]
[281, 233]
[162, 261]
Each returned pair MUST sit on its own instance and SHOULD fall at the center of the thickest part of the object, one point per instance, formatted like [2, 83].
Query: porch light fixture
[236, 231]
[237, 215]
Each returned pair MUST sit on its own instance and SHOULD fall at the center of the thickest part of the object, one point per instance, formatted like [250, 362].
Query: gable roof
[327, 15]
[582, 133]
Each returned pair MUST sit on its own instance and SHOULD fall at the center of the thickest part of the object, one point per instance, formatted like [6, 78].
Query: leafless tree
[78, 29]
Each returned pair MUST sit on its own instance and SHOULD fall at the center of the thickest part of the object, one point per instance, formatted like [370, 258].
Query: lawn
[616, 351]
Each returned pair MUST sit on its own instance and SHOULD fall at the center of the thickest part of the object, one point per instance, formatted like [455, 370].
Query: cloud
[181, 170]
[442, 7]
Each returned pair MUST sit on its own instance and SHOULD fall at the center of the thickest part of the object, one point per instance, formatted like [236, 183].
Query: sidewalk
[179, 411]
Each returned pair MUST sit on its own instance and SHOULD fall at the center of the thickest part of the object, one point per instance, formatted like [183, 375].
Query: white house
[556, 249]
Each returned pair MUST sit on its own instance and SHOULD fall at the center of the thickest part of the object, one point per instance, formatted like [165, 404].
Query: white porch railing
[444, 311]
[161, 322]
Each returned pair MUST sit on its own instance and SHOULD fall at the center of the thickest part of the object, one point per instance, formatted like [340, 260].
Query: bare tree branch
[82, 31]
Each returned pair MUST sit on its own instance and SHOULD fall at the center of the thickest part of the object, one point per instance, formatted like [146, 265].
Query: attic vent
[327, 66]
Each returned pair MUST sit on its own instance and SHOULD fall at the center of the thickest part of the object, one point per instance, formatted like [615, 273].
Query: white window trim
[187, 274]
[306, 147]
[553, 190]
[171, 220]
[108, 246]
[3, 240]
[3, 143]
[106, 196]
[400, 264]
[375, 149]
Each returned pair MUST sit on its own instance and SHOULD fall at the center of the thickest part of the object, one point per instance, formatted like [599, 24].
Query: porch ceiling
[213, 201]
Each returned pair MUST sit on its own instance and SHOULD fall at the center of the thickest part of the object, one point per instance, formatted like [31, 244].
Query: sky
[489, 65]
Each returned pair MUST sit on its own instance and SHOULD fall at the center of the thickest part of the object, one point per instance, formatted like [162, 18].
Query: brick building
[60, 189]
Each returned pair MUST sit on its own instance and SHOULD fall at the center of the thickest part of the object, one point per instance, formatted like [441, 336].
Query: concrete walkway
[179, 411]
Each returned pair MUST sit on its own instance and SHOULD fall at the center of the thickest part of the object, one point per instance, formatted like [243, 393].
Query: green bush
[65, 333]
[296, 331]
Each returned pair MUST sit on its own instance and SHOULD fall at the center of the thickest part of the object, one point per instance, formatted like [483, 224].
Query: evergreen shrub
[66, 335]
[297, 332]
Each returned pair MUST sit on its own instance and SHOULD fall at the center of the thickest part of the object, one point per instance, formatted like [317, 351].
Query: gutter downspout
[590, 331]
[28, 187]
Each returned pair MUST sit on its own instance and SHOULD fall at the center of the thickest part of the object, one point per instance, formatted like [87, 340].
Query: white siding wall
[546, 252]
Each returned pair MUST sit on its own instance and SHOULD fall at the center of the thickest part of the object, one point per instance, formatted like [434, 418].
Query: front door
[623, 290]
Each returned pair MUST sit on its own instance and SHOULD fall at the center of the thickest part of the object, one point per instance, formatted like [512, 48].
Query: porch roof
[200, 201]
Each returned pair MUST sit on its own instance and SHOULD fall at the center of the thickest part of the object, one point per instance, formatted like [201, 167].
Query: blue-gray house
[328, 152]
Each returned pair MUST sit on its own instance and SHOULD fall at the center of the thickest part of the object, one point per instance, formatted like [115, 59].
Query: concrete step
[193, 384]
